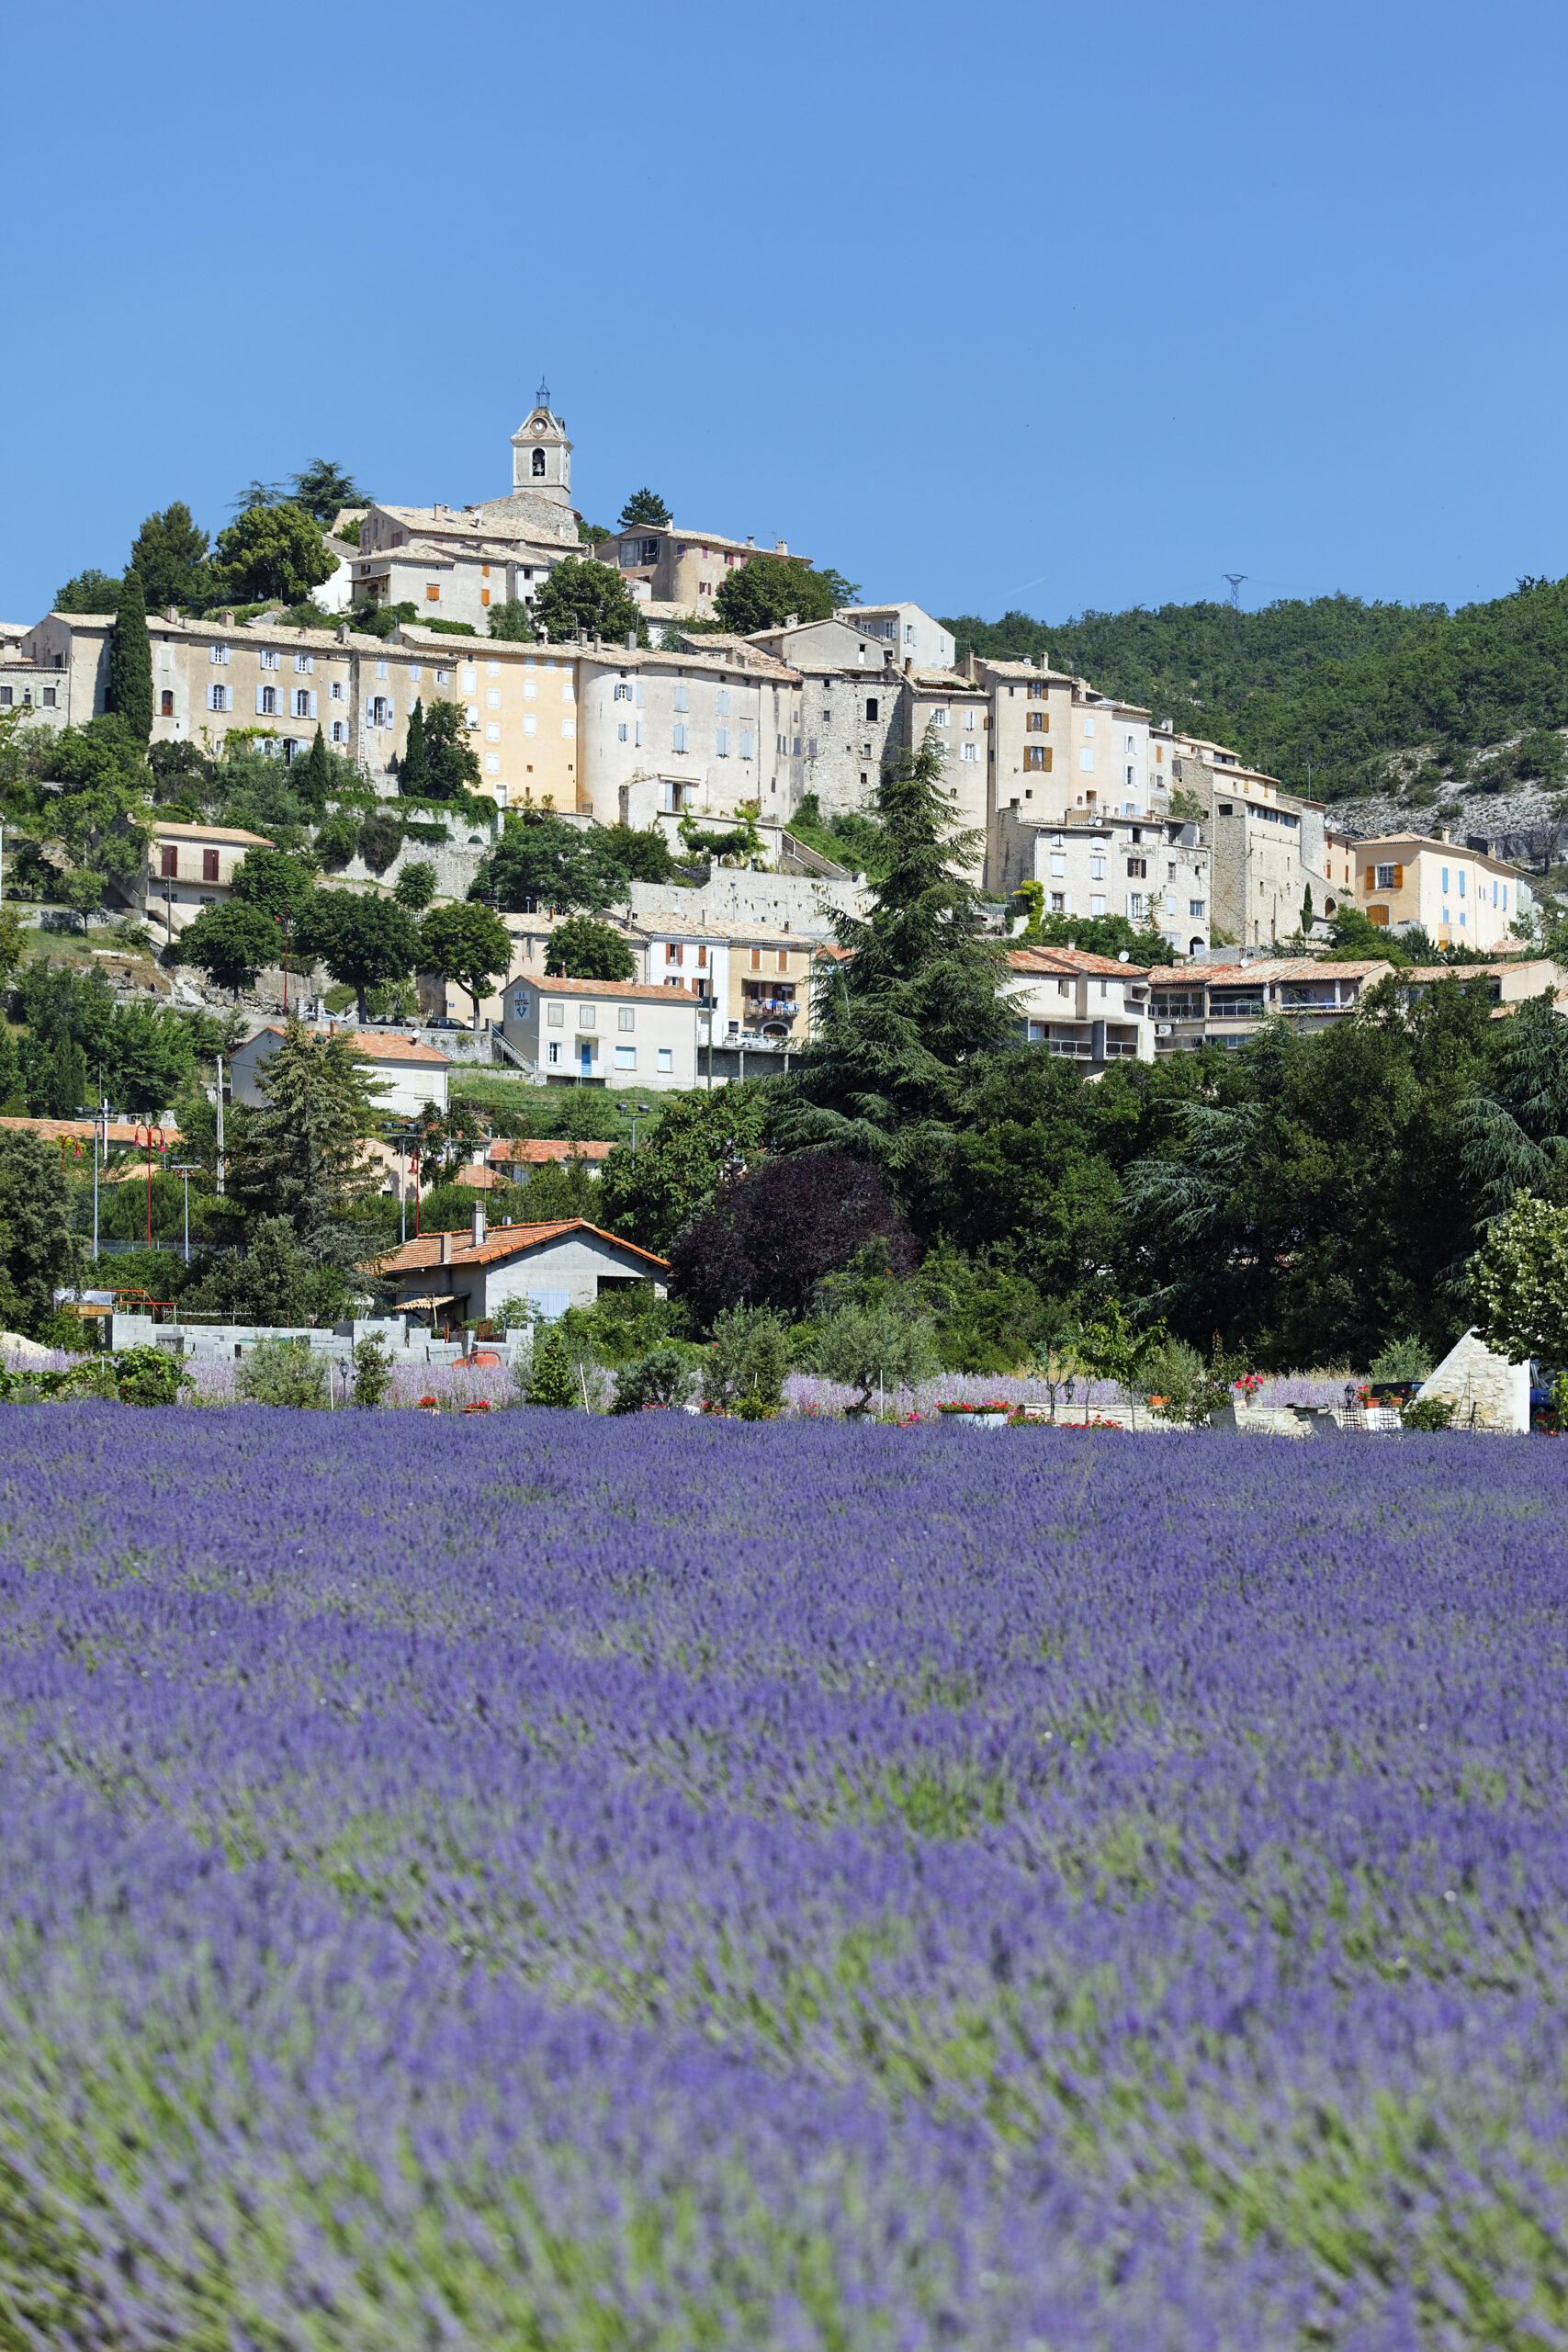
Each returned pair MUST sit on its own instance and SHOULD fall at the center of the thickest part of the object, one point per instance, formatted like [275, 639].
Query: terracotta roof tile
[510, 1241]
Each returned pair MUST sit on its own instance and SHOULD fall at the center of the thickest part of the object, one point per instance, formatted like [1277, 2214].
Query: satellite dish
[1124, 956]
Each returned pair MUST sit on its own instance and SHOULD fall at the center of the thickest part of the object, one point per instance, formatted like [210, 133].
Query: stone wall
[1485, 1390]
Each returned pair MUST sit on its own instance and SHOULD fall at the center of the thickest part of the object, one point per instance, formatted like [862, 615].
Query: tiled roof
[540, 1151]
[1266, 968]
[167, 831]
[370, 1048]
[696, 539]
[121, 1131]
[1073, 959]
[548, 985]
[511, 1241]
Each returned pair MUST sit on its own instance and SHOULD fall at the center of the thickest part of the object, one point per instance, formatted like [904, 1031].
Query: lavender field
[555, 1882]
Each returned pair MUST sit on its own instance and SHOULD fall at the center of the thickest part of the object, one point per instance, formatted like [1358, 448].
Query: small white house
[459, 1278]
[410, 1075]
[604, 1033]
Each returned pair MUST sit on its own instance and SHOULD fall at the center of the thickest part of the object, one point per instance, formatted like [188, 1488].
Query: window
[304, 702]
[218, 653]
[340, 731]
[380, 669]
[623, 692]
[1058, 902]
[871, 706]
[1037, 722]
[1195, 909]
[1135, 909]
[166, 703]
[968, 720]
[555, 1047]
[756, 959]
[493, 731]
[305, 665]
[492, 698]
[625, 1016]
[210, 865]
[1036, 759]
[636, 732]
[588, 1016]
[1096, 904]
[909, 632]
[1461, 883]
[1088, 726]
[7, 697]
[1097, 869]
[1086, 759]
[555, 1016]
[626, 1057]
[666, 1058]
[682, 701]
[530, 689]
[970, 751]
[266, 701]
[492, 763]
[568, 690]
[722, 702]
[1137, 867]
[621, 732]
[1389, 884]
[1058, 864]
[721, 741]
[783, 959]
[674, 953]
[679, 737]
[939, 719]
[169, 864]
[567, 731]
[269, 659]
[538, 465]
[1037, 692]
[443, 676]
[334, 692]
[469, 681]
[748, 744]
[1131, 778]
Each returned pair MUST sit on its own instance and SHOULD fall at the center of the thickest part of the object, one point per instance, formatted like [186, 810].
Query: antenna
[1235, 579]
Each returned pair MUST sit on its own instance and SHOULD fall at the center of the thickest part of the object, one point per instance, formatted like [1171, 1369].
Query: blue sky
[1044, 306]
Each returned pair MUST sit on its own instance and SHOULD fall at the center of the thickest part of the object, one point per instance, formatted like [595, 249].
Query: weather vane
[542, 399]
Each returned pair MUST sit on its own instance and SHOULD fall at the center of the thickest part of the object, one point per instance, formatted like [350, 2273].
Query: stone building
[1270, 846]
[1157, 871]
[683, 567]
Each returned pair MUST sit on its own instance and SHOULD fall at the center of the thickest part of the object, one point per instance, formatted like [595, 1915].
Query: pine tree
[550, 1377]
[917, 998]
[131, 662]
[414, 775]
[315, 775]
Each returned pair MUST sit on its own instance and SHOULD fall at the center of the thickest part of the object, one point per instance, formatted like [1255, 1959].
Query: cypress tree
[314, 777]
[550, 1378]
[414, 775]
[130, 660]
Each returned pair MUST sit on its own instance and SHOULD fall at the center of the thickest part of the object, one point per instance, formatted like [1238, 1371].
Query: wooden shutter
[1399, 878]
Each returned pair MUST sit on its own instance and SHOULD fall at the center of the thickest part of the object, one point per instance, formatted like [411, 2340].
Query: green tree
[13, 1098]
[453, 764]
[550, 1378]
[902, 1018]
[646, 509]
[231, 943]
[323, 488]
[38, 1251]
[579, 593]
[1098, 935]
[380, 839]
[283, 1372]
[763, 592]
[12, 946]
[337, 841]
[364, 943]
[89, 592]
[415, 886]
[129, 691]
[469, 945]
[1519, 1282]
[413, 769]
[147, 1058]
[313, 775]
[541, 861]
[581, 949]
[640, 850]
[702, 1139]
[275, 882]
[372, 1372]
[168, 556]
[513, 620]
[301, 1153]
[887, 1342]
[271, 551]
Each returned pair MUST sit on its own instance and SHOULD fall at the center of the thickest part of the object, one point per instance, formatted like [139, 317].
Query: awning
[430, 1298]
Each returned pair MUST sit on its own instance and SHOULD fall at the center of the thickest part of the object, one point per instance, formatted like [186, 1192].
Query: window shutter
[259, 693]
[313, 702]
[1399, 878]
[228, 697]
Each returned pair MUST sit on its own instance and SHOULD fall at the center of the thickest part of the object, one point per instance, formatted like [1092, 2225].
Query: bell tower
[541, 455]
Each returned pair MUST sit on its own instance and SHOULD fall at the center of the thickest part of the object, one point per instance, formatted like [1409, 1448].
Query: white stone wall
[1485, 1390]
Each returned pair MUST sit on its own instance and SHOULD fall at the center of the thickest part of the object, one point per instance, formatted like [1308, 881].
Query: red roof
[390, 1048]
[538, 1151]
[1072, 959]
[121, 1131]
[508, 1242]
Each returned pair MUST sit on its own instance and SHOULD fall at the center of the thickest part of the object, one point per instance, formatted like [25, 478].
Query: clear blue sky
[995, 305]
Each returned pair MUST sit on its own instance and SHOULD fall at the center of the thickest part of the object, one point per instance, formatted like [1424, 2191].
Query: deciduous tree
[271, 551]
[467, 944]
[231, 943]
[364, 943]
[581, 949]
[579, 593]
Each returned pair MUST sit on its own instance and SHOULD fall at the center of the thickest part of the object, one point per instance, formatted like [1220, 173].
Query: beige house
[688, 731]
[679, 567]
[1156, 871]
[603, 1032]
[1462, 897]
[189, 867]
[1223, 1004]
[1507, 985]
[755, 976]
[407, 1074]
[1085, 1009]
[1270, 846]
[1057, 748]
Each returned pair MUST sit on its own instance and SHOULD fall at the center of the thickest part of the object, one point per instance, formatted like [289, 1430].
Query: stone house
[189, 867]
[1155, 870]
[456, 1278]
[690, 731]
[1087, 1008]
[407, 1074]
[1199, 1004]
[676, 566]
[603, 1032]
[1463, 897]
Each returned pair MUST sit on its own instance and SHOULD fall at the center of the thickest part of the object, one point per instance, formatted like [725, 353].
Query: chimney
[445, 1249]
[478, 1221]
[792, 620]
[909, 664]
[750, 540]
[631, 640]
[781, 547]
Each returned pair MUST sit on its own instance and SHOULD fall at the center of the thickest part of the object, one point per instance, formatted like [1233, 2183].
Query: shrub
[658, 1382]
[885, 1343]
[551, 1379]
[372, 1371]
[283, 1372]
[141, 1376]
[1407, 1359]
[749, 1358]
[1427, 1413]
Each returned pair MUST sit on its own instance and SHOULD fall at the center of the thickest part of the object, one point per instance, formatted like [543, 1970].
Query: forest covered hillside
[1347, 700]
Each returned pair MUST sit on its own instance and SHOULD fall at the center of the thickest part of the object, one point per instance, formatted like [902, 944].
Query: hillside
[1382, 705]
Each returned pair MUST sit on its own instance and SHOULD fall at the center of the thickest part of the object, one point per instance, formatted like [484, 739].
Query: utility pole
[218, 1065]
[1235, 579]
[187, 1168]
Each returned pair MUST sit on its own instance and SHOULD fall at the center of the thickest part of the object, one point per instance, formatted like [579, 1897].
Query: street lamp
[403, 1137]
[187, 1169]
[639, 1111]
[342, 1365]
